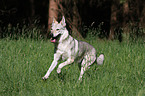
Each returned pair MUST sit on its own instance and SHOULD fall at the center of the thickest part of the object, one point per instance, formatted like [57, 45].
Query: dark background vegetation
[111, 17]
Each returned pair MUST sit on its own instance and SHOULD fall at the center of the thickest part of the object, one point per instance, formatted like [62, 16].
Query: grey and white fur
[70, 50]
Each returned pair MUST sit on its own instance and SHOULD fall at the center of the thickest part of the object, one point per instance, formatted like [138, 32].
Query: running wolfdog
[70, 50]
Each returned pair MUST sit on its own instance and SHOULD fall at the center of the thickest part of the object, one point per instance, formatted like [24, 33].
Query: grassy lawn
[24, 62]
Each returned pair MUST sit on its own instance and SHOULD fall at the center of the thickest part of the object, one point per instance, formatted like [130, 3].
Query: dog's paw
[58, 70]
[44, 78]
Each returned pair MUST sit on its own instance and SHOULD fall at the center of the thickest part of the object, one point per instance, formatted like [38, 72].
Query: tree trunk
[113, 19]
[53, 12]
[126, 16]
[142, 18]
[76, 19]
[32, 6]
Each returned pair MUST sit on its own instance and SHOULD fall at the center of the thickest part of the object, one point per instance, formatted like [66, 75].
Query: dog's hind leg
[81, 74]
[83, 69]
[87, 61]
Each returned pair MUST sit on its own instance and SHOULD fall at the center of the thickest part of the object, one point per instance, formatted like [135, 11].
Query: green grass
[24, 62]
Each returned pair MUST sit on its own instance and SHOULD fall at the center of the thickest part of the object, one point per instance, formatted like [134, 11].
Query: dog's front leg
[69, 61]
[53, 65]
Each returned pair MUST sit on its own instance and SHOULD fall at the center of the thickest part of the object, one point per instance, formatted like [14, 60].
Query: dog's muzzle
[54, 39]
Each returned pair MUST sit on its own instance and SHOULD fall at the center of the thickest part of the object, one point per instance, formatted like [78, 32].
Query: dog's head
[57, 29]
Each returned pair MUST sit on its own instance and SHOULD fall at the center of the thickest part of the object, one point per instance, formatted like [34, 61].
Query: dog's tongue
[53, 41]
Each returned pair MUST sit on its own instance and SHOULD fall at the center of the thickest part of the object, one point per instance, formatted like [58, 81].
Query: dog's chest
[64, 47]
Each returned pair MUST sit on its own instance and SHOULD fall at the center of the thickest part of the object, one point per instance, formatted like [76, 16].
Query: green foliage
[33, 31]
[122, 1]
[135, 34]
[24, 61]
[93, 33]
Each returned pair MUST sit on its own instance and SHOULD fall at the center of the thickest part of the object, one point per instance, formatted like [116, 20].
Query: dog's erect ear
[54, 20]
[63, 21]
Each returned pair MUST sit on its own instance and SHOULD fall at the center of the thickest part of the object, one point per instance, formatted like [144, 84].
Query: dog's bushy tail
[100, 59]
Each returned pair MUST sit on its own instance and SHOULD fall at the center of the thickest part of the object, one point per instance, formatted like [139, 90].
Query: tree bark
[142, 18]
[126, 16]
[113, 19]
[76, 19]
[53, 13]
[32, 12]
[32, 8]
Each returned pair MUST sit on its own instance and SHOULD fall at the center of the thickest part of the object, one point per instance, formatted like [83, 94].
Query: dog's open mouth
[52, 40]
[55, 39]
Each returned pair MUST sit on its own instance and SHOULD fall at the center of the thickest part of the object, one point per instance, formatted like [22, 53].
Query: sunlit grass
[24, 62]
